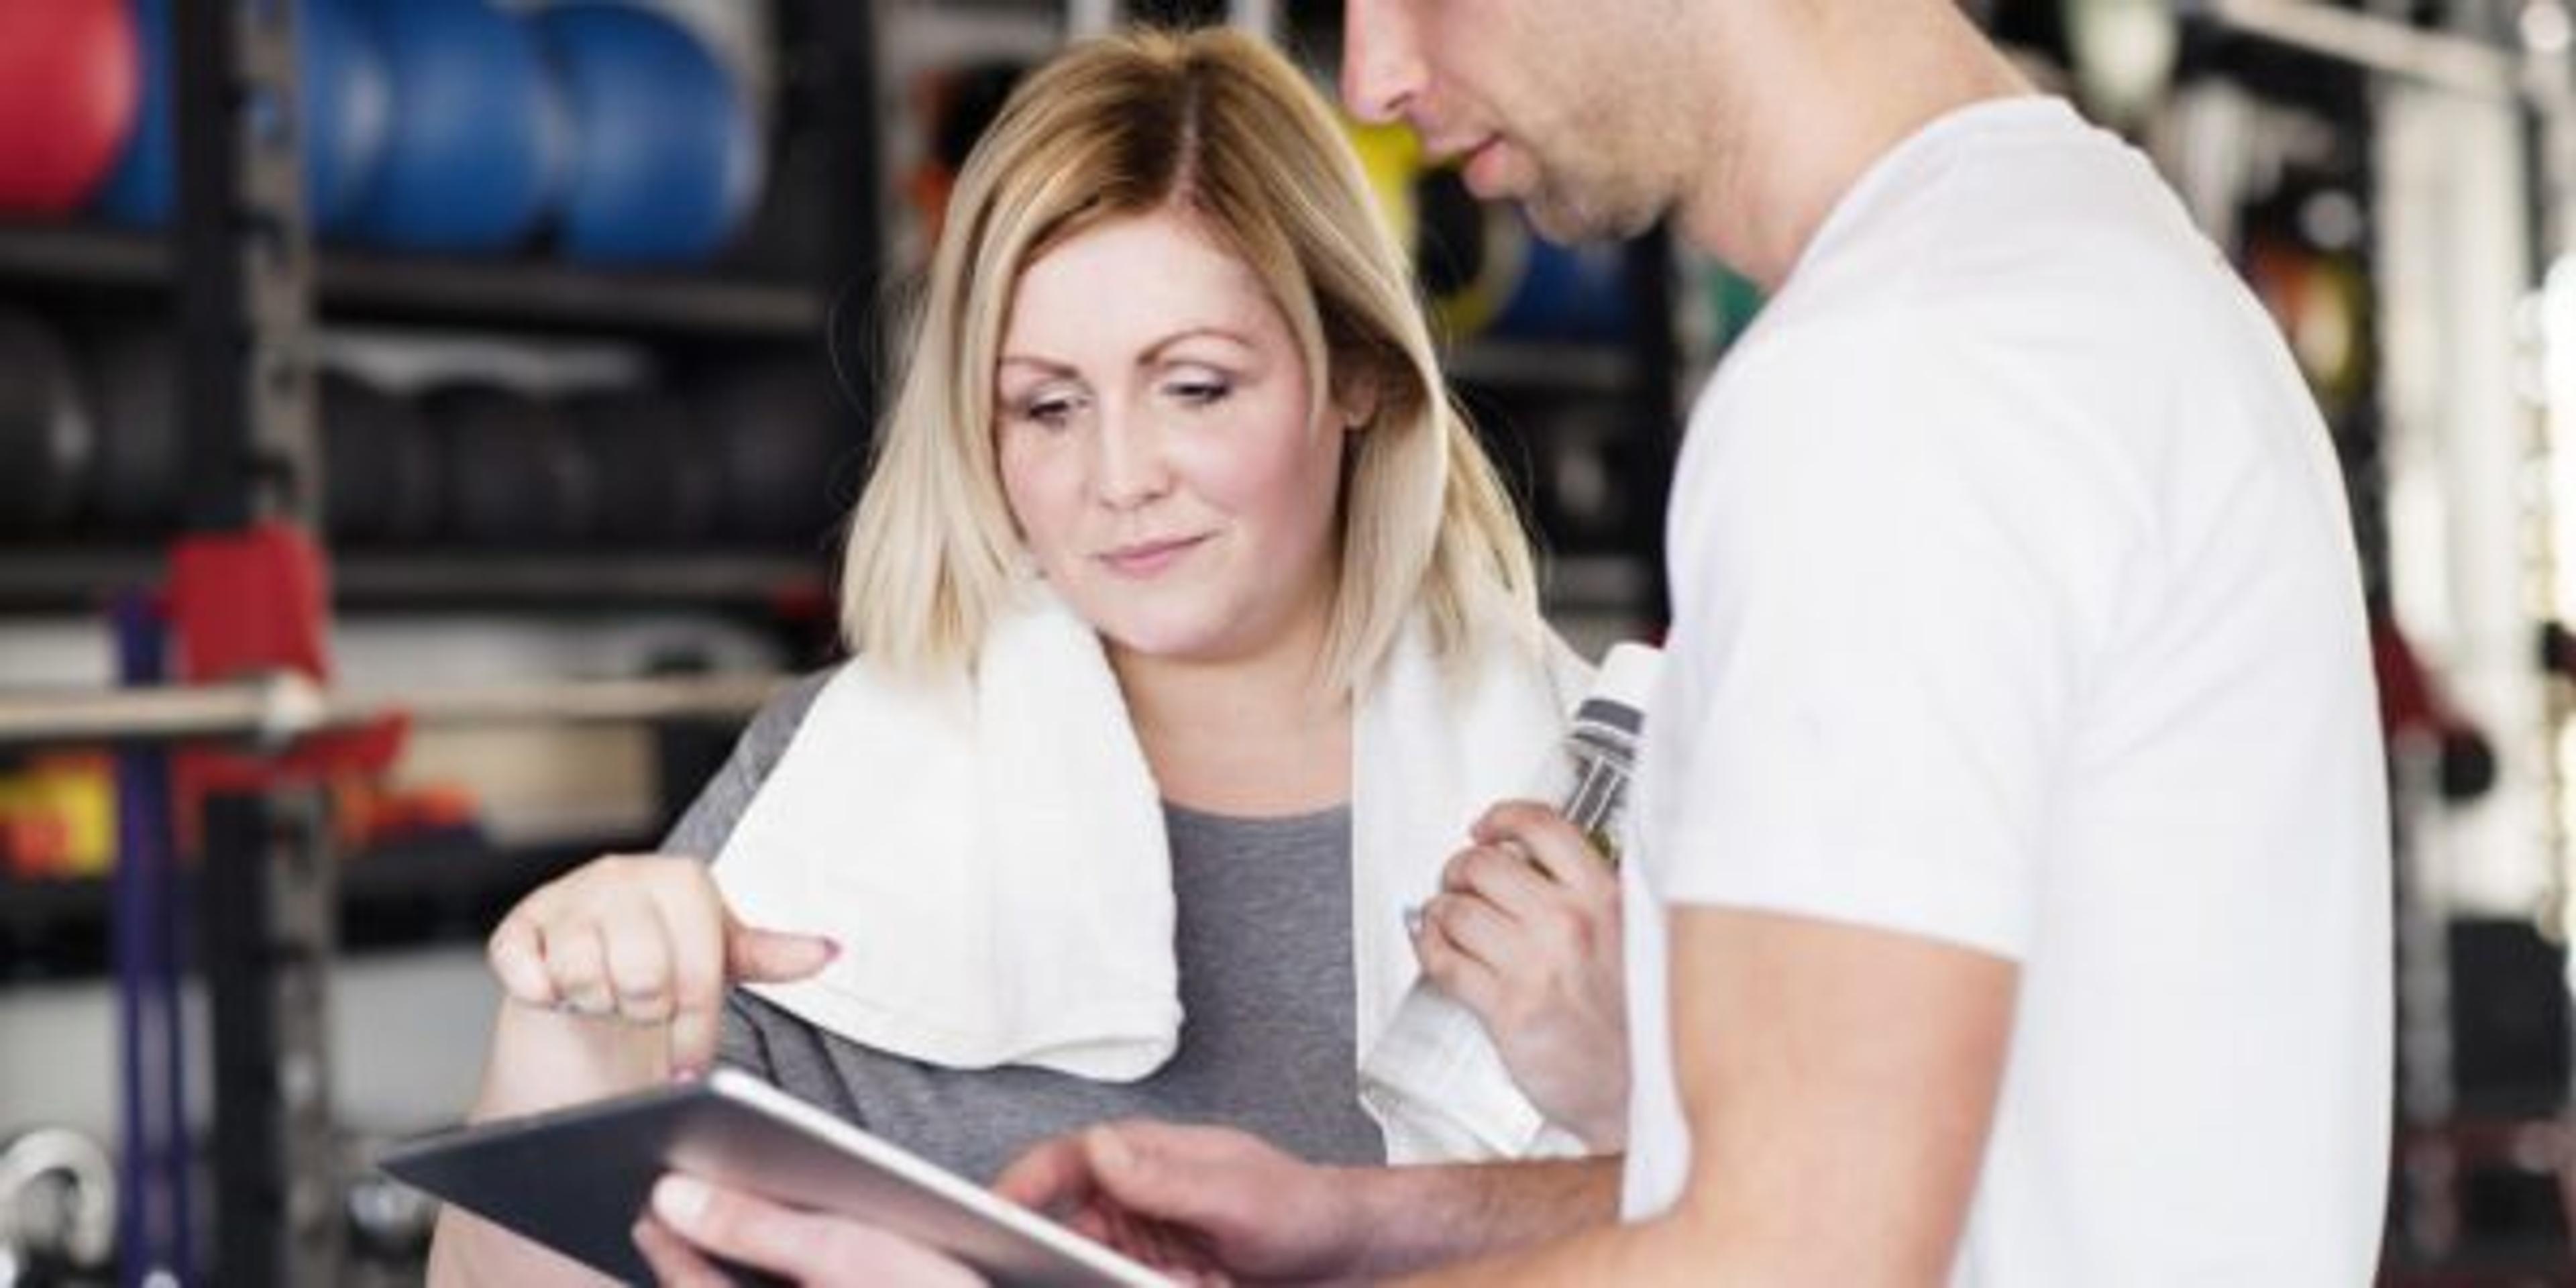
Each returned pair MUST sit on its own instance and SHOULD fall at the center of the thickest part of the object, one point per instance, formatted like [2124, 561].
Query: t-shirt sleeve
[707, 823]
[739, 1042]
[1892, 572]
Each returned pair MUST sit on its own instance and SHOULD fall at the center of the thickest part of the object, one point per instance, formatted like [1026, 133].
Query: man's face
[1539, 100]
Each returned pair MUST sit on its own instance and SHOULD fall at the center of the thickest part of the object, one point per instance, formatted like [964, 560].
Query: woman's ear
[1356, 394]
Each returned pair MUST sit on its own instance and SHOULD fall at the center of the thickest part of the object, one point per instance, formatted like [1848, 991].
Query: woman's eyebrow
[1155, 349]
[1047, 366]
[1058, 367]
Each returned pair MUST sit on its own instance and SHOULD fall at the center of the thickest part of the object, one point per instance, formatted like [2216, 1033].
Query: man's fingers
[774, 956]
[1053, 1177]
[675, 1264]
[1161, 1173]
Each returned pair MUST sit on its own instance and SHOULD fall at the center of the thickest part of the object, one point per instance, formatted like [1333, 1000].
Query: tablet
[576, 1179]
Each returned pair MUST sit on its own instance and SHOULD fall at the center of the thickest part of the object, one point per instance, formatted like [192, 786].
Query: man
[2012, 904]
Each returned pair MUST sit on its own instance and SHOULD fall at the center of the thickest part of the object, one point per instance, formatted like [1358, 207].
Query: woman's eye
[1199, 392]
[1050, 412]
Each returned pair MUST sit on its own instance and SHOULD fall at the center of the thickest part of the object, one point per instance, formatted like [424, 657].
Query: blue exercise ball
[474, 155]
[1567, 293]
[346, 97]
[665, 155]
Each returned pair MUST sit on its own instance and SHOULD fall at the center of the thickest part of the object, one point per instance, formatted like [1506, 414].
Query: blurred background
[505, 370]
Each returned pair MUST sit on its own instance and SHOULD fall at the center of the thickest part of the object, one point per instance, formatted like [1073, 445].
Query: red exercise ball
[71, 76]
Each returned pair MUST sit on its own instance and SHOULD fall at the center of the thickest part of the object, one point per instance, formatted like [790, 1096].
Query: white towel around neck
[990, 855]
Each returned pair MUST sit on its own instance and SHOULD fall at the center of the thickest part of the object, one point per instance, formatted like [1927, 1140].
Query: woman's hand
[643, 941]
[1525, 933]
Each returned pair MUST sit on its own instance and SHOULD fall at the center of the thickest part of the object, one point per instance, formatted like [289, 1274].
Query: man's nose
[1382, 67]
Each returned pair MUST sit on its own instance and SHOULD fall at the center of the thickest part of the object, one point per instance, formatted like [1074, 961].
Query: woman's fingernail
[1413, 920]
[679, 1199]
[831, 948]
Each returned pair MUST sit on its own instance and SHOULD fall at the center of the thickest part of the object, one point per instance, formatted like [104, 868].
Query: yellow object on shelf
[58, 816]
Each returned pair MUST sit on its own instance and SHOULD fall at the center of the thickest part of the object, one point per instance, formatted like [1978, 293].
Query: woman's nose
[1128, 464]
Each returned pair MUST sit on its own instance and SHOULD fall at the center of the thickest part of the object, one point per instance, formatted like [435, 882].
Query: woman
[1170, 479]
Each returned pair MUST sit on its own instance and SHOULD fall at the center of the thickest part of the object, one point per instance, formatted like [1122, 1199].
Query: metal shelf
[78, 578]
[449, 888]
[1544, 366]
[508, 294]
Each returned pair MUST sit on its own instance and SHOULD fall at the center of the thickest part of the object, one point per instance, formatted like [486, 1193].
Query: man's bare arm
[1839, 1083]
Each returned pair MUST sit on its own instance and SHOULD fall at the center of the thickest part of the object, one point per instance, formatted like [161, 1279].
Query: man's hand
[1199, 1203]
[691, 1220]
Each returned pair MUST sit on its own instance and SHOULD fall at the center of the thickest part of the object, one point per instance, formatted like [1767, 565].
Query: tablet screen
[575, 1180]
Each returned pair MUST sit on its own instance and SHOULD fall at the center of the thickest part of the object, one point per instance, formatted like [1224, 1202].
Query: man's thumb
[775, 956]
[1134, 1176]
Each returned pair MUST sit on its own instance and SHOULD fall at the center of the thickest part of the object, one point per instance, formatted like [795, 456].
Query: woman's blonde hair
[1218, 125]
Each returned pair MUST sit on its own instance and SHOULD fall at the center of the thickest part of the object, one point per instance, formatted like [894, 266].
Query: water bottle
[1434, 1079]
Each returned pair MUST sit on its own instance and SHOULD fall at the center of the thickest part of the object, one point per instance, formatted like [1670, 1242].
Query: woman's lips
[1146, 558]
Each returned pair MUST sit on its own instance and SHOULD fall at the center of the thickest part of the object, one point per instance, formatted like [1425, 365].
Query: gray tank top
[1263, 942]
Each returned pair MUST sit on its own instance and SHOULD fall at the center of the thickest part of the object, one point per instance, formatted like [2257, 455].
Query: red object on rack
[71, 81]
[2412, 703]
[255, 603]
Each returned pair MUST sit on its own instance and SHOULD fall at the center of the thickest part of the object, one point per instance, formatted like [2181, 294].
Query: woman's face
[1157, 446]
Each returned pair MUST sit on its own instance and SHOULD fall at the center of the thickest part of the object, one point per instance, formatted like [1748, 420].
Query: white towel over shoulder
[991, 857]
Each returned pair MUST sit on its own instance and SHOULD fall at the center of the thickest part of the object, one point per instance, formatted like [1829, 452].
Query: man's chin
[1566, 218]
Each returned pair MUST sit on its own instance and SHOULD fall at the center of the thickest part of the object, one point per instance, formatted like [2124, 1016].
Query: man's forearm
[1431, 1216]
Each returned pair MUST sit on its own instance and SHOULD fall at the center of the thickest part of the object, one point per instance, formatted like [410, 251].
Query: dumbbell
[48, 439]
[1586, 475]
[57, 1205]
[655, 468]
[514, 470]
[389, 1222]
[139, 485]
[380, 465]
[785, 452]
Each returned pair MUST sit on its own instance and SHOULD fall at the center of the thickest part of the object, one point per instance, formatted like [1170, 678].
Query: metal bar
[1655, 404]
[154, 1157]
[280, 708]
[245, 254]
[2456, 63]
[267, 928]
[862, 204]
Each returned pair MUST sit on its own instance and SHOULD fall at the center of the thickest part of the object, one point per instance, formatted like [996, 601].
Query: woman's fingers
[577, 960]
[1548, 842]
[1502, 876]
[646, 940]
[1462, 975]
[517, 954]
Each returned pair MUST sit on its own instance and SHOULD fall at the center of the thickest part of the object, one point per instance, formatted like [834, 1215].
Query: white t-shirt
[2016, 607]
